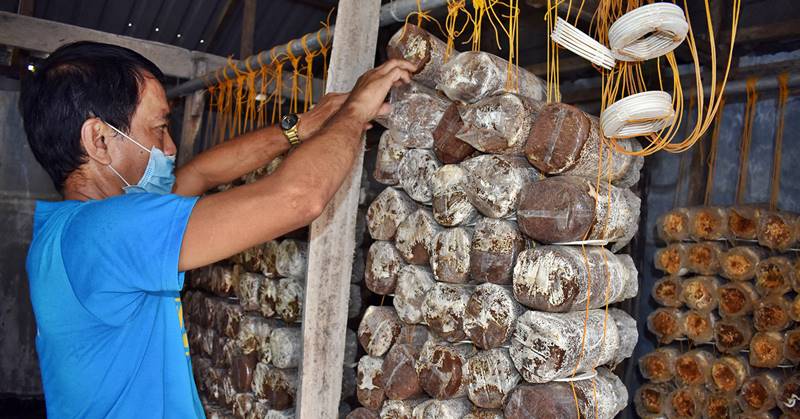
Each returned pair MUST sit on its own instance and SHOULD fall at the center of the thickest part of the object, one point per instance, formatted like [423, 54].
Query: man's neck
[80, 187]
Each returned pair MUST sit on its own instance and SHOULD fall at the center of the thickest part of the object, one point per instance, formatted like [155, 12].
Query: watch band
[288, 125]
[291, 136]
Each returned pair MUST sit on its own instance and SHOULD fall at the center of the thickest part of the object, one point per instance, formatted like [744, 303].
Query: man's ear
[95, 141]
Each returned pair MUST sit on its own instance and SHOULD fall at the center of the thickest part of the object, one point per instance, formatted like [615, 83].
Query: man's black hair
[76, 81]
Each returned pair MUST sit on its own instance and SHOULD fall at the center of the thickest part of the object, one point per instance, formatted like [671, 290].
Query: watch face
[288, 121]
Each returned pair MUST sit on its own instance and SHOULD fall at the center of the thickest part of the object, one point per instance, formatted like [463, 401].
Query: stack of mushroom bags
[729, 302]
[495, 304]
[243, 325]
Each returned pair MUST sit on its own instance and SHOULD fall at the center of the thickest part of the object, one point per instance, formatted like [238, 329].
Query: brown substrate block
[771, 314]
[672, 259]
[736, 299]
[739, 263]
[733, 335]
[667, 291]
[674, 225]
[758, 393]
[700, 293]
[777, 230]
[686, 402]
[651, 399]
[693, 367]
[699, 326]
[659, 366]
[743, 222]
[666, 323]
[708, 223]
[774, 276]
[766, 349]
[728, 373]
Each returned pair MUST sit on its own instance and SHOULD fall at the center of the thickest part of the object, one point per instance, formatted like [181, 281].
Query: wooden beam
[248, 28]
[42, 35]
[332, 237]
[192, 118]
[24, 8]
[780, 30]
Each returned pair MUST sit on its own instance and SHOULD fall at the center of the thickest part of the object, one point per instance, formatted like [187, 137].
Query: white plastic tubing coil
[644, 33]
[640, 114]
[585, 46]
[648, 32]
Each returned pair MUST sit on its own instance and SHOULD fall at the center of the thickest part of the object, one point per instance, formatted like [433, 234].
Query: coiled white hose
[640, 114]
[648, 32]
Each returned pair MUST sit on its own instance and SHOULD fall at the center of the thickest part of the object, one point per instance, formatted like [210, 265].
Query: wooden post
[332, 237]
[192, 118]
[248, 29]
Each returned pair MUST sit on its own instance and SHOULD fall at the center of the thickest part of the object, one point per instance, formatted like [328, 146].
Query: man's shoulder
[117, 215]
[131, 205]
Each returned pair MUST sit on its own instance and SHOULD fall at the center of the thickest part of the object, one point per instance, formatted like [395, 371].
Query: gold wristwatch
[289, 126]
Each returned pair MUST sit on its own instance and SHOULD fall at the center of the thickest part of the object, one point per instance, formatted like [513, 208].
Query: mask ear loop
[133, 141]
[118, 175]
[128, 137]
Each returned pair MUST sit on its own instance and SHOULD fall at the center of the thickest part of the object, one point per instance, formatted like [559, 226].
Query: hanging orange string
[324, 47]
[277, 65]
[775, 181]
[421, 15]
[226, 108]
[512, 76]
[262, 93]
[308, 94]
[747, 136]
[220, 104]
[454, 9]
[237, 125]
[209, 115]
[553, 90]
[712, 153]
[706, 109]
[250, 109]
[295, 63]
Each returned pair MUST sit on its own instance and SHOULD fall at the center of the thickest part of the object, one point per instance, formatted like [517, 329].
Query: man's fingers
[398, 74]
[385, 109]
[390, 65]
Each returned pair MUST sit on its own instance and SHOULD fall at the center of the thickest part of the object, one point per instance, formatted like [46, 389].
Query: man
[106, 264]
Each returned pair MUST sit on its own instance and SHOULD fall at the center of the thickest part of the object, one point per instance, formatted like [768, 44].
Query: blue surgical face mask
[158, 176]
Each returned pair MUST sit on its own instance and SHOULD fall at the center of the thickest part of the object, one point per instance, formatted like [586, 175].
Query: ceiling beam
[19, 56]
[248, 28]
[45, 36]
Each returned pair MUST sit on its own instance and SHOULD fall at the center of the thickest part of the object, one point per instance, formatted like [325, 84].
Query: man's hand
[366, 100]
[226, 223]
[314, 119]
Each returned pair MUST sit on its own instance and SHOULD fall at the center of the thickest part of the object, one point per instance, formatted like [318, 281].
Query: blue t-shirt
[105, 289]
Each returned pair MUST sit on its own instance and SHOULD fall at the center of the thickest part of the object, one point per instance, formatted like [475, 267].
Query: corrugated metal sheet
[204, 25]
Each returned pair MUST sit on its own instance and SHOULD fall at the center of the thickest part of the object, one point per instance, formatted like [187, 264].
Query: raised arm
[226, 223]
[243, 154]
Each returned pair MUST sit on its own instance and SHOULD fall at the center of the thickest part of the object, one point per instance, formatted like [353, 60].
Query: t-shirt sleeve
[119, 247]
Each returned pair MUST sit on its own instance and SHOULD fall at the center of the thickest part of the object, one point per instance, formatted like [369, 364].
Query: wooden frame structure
[332, 236]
